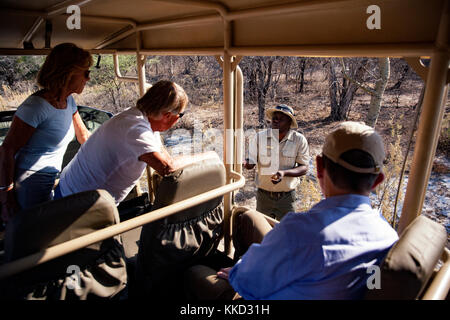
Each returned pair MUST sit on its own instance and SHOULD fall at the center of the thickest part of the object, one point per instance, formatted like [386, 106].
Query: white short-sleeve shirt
[109, 158]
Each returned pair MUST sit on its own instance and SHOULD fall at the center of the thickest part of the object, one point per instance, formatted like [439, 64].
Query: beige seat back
[170, 245]
[409, 264]
[101, 270]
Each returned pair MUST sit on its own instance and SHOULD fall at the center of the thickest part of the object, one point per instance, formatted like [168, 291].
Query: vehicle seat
[168, 246]
[409, 264]
[102, 265]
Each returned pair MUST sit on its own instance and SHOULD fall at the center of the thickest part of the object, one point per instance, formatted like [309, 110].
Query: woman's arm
[81, 132]
[18, 135]
[164, 164]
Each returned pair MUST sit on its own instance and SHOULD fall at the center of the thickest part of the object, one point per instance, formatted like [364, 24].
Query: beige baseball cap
[352, 135]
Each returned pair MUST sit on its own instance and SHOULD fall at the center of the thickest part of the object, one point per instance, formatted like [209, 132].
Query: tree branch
[366, 89]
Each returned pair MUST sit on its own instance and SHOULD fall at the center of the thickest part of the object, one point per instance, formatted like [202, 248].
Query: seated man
[323, 253]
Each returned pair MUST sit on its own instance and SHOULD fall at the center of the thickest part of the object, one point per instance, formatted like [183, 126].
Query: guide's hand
[247, 165]
[277, 177]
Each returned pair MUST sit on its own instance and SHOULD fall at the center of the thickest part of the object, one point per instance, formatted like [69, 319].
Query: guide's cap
[352, 135]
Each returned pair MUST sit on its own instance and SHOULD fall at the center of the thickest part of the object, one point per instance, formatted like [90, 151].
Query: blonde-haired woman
[43, 125]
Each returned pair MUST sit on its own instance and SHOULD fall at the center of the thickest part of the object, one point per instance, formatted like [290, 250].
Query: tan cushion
[411, 261]
[102, 265]
[194, 179]
[58, 221]
[169, 245]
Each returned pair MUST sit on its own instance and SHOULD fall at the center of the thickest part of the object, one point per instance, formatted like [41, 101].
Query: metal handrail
[440, 285]
[58, 250]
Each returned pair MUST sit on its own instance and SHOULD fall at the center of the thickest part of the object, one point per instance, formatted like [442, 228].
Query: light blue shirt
[45, 150]
[320, 254]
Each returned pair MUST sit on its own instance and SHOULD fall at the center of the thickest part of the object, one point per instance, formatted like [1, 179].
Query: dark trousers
[201, 282]
[275, 204]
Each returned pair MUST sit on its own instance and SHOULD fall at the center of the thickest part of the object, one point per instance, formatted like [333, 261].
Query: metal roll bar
[440, 285]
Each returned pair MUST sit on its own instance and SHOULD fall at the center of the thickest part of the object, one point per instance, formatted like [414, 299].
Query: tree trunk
[380, 87]
[302, 74]
[399, 82]
[341, 95]
[263, 82]
[170, 68]
[332, 88]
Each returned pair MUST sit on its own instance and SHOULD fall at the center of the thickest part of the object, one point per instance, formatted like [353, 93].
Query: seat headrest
[192, 180]
[409, 264]
[57, 221]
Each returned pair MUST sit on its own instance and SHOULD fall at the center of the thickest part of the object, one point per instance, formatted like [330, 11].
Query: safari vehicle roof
[259, 27]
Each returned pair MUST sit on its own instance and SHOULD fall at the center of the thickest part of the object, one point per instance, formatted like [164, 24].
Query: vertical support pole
[239, 119]
[141, 73]
[229, 134]
[140, 59]
[429, 126]
[427, 138]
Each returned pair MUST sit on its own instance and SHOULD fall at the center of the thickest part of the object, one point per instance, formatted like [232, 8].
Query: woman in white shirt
[117, 153]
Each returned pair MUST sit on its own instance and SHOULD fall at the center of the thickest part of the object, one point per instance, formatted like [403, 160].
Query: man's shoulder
[297, 135]
[130, 119]
[263, 132]
[305, 220]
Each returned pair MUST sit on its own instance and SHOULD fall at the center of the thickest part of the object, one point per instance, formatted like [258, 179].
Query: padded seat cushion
[101, 266]
[168, 246]
[58, 221]
[194, 179]
[409, 264]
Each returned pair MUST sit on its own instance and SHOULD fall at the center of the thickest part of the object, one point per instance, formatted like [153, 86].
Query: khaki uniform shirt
[270, 155]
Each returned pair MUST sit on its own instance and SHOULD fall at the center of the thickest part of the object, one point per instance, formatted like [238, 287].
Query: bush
[386, 192]
[309, 192]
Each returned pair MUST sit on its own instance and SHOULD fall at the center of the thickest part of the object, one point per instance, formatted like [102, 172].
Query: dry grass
[386, 192]
[309, 192]
[11, 99]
